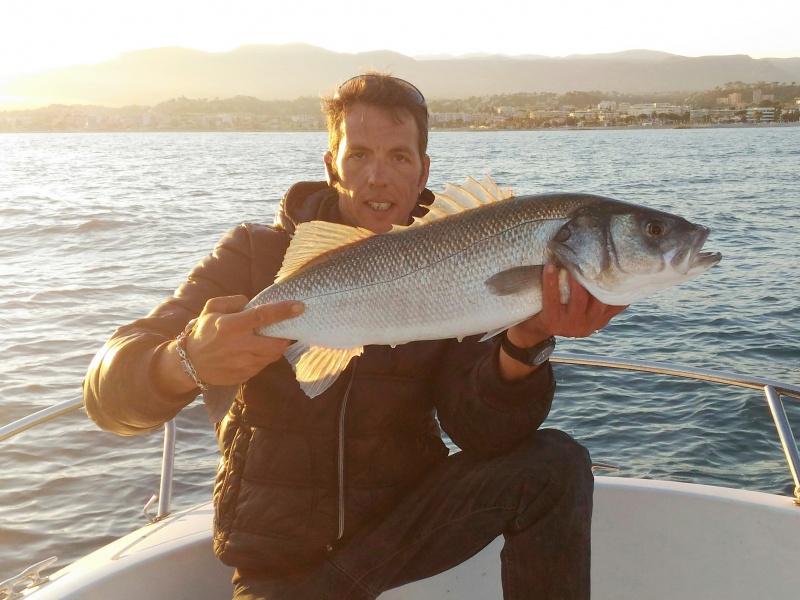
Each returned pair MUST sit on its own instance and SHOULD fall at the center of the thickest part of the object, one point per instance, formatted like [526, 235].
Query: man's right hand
[223, 345]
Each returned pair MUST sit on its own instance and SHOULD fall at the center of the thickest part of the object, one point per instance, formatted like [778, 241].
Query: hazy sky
[41, 34]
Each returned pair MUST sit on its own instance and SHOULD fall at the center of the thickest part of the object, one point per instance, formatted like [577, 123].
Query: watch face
[544, 355]
[532, 357]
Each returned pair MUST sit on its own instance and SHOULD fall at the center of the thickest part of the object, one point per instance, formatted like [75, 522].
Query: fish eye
[656, 229]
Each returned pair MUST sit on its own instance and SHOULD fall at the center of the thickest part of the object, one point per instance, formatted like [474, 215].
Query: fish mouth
[706, 260]
[690, 260]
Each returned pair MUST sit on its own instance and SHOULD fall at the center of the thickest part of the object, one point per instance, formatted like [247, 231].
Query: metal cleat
[11, 589]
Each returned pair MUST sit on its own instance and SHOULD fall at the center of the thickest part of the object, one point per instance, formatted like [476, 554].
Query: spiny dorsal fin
[314, 238]
[456, 199]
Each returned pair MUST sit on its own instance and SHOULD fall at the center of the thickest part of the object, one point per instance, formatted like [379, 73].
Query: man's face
[380, 171]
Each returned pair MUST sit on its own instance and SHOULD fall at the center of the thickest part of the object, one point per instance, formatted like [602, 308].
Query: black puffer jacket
[298, 474]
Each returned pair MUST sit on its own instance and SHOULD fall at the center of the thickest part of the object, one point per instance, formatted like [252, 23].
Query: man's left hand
[582, 315]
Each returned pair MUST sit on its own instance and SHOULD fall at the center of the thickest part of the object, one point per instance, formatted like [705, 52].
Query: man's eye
[401, 158]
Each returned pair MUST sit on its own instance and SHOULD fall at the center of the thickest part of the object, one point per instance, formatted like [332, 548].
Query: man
[352, 493]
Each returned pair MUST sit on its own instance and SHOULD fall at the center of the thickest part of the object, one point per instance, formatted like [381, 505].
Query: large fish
[473, 264]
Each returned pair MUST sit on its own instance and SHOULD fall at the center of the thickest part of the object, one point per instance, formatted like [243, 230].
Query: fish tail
[218, 400]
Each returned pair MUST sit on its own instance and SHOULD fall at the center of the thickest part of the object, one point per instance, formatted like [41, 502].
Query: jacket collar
[317, 201]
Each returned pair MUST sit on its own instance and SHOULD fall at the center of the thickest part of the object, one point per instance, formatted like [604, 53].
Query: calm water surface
[95, 229]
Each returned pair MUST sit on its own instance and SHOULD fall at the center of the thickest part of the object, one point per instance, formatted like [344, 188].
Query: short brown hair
[378, 89]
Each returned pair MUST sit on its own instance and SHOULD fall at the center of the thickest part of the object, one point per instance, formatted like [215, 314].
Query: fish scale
[424, 282]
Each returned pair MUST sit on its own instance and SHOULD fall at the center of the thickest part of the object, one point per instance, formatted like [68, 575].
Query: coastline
[628, 127]
[432, 129]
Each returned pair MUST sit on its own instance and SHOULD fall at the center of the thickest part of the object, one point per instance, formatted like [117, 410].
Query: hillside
[293, 70]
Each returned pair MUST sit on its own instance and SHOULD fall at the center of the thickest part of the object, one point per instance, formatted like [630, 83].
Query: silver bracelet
[188, 367]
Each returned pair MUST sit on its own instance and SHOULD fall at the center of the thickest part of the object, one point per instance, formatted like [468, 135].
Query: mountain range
[285, 72]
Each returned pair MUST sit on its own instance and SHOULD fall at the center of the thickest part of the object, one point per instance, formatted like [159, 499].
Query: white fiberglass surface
[651, 539]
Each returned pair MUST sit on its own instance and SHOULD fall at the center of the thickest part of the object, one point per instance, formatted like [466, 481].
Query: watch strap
[533, 356]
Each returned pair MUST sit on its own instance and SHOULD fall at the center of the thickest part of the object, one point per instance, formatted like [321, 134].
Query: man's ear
[426, 169]
[330, 171]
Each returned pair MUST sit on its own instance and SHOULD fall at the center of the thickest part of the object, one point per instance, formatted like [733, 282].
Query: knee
[559, 446]
[553, 476]
[560, 453]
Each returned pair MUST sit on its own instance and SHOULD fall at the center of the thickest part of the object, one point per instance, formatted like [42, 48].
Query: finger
[267, 314]
[550, 295]
[267, 349]
[225, 304]
[579, 298]
[603, 315]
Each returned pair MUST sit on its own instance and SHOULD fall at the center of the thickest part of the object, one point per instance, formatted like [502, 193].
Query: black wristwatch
[532, 357]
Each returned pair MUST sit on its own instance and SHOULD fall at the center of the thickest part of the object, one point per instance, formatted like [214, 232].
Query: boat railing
[774, 392]
[164, 496]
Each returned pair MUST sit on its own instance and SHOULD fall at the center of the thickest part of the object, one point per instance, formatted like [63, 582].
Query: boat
[651, 539]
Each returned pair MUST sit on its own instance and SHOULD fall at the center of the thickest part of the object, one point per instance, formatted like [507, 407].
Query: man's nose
[378, 173]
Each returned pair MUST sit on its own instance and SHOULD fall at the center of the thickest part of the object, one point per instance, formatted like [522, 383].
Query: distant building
[304, 122]
[759, 97]
[586, 115]
[760, 114]
[549, 114]
[641, 109]
[450, 117]
[670, 109]
[713, 115]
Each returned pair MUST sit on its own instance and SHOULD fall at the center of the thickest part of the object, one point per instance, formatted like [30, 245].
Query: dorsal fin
[315, 238]
[456, 199]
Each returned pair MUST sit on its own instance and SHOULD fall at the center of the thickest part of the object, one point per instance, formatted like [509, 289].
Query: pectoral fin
[516, 281]
[317, 368]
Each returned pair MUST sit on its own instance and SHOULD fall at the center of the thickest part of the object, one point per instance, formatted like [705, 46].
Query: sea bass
[472, 265]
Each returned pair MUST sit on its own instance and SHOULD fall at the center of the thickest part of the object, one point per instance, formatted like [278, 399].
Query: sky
[43, 34]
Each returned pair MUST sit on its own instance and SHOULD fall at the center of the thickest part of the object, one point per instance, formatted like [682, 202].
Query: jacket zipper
[341, 450]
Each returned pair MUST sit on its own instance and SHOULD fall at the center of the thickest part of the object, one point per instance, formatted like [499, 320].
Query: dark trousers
[539, 496]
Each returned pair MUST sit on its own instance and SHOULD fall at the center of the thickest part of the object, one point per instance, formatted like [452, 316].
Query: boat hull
[650, 539]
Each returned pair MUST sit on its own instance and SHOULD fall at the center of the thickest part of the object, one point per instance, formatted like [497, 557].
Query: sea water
[96, 229]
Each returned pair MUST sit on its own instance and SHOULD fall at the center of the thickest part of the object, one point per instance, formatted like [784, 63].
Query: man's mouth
[381, 206]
